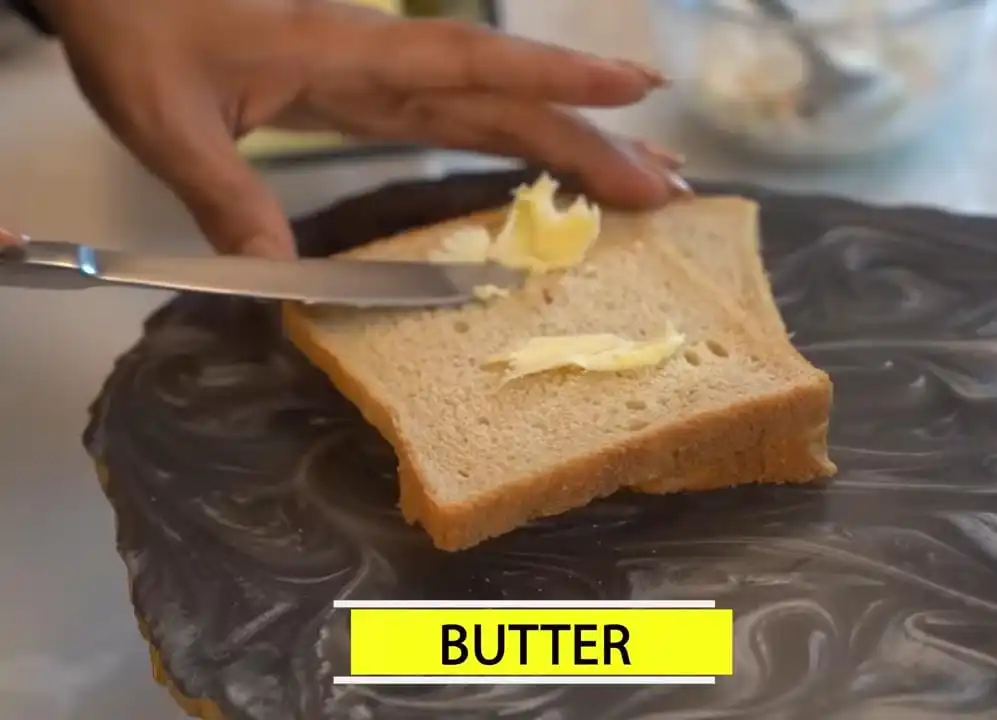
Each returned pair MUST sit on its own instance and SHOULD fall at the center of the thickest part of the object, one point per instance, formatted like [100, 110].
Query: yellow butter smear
[597, 353]
[484, 293]
[537, 236]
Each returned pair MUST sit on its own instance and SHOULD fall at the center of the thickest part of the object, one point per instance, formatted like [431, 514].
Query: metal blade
[354, 283]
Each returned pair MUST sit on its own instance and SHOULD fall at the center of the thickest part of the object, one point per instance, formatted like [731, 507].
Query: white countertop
[68, 644]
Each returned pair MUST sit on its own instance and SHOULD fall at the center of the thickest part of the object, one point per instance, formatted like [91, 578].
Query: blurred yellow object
[267, 143]
[391, 6]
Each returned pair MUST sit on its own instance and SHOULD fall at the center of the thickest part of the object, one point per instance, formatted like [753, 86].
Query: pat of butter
[538, 237]
[599, 353]
[467, 245]
[484, 293]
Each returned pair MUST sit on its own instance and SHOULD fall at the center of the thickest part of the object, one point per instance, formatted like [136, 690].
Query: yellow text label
[524, 642]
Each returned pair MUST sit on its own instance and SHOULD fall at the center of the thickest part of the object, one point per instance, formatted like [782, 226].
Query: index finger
[9, 238]
[449, 55]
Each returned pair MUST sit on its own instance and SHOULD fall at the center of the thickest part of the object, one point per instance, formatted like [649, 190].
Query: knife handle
[45, 264]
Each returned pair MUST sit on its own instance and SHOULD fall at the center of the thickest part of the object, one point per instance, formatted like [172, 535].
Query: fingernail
[654, 77]
[678, 183]
[8, 237]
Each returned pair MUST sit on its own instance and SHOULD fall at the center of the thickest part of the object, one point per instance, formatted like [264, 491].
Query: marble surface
[250, 495]
[69, 647]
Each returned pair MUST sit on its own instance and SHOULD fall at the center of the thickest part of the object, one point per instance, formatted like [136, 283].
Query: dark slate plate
[249, 495]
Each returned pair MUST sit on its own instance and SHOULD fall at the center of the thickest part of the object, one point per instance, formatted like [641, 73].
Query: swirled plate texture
[249, 495]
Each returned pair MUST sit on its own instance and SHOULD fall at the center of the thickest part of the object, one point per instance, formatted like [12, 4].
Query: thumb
[192, 150]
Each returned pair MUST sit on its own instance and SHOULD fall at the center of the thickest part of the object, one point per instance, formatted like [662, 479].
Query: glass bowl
[742, 75]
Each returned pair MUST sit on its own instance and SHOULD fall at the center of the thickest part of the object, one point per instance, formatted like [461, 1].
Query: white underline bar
[592, 680]
[523, 604]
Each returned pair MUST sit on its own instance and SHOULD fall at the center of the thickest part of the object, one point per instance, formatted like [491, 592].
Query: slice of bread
[478, 458]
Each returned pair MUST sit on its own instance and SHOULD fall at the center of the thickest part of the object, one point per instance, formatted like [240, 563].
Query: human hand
[178, 80]
[10, 240]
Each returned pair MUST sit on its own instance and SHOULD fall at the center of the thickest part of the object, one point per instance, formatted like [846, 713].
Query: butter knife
[44, 264]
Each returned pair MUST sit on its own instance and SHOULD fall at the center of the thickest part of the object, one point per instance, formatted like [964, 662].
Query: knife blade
[334, 281]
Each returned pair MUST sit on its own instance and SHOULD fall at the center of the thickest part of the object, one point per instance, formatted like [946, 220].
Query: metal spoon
[830, 83]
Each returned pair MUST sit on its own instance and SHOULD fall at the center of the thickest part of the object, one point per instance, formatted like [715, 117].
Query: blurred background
[889, 101]
[860, 97]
